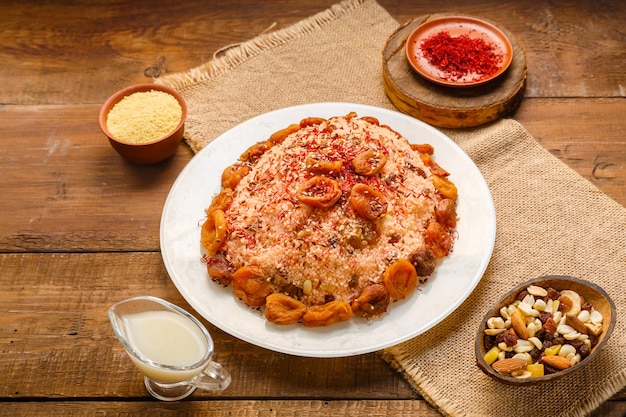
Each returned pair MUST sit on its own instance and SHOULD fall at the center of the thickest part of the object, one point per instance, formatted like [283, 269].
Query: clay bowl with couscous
[145, 122]
[544, 329]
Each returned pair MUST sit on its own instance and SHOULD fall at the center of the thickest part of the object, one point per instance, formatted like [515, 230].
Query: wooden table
[79, 227]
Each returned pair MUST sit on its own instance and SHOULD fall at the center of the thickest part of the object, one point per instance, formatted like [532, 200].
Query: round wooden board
[450, 107]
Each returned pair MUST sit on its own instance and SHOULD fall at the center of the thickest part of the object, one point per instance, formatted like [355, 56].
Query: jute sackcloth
[549, 219]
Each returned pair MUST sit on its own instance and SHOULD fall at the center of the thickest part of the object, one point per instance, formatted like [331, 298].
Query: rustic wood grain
[574, 47]
[275, 408]
[56, 336]
[79, 227]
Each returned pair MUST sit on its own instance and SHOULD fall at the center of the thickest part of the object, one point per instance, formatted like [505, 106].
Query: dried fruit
[536, 370]
[327, 314]
[491, 356]
[575, 298]
[550, 330]
[283, 309]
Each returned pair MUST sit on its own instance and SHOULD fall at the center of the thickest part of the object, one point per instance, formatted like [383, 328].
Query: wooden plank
[99, 47]
[68, 188]
[55, 334]
[574, 49]
[251, 408]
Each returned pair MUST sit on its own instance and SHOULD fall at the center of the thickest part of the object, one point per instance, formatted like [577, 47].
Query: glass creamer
[169, 346]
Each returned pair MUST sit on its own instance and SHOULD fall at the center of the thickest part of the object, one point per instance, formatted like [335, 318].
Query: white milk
[166, 338]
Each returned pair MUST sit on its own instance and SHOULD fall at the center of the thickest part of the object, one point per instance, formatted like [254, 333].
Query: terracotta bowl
[145, 152]
[590, 292]
[457, 26]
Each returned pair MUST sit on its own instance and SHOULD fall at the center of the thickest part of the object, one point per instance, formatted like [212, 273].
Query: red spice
[461, 56]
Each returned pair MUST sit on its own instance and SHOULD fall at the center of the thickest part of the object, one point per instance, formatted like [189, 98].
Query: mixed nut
[542, 332]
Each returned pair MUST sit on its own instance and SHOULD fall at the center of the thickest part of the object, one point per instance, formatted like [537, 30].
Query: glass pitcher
[170, 347]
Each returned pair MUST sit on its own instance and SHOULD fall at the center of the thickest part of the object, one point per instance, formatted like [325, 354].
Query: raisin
[553, 294]
[489, 342]
[510, 338]
[535, 354]
[565, 303]
[522, 295]
[549, 370]
[558, 341]
[545, 315]
[550, 325]
[547, 344]
[548, 336]
[509, 355]
[540, 334]
[586, 306]
[576, 344]
[500, 337]
[584, 351]
[594, 340]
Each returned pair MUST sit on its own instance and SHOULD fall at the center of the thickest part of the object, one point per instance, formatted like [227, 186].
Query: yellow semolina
[144, 117]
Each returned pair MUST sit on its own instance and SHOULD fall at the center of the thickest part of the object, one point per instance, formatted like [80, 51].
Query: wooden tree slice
[450, 107]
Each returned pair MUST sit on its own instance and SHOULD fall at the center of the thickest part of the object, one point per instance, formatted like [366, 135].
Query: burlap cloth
[549, 219]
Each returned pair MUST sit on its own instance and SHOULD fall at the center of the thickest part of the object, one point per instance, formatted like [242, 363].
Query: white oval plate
[453, 281]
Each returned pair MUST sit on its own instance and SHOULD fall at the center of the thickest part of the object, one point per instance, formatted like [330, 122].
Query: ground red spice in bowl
[461, 56]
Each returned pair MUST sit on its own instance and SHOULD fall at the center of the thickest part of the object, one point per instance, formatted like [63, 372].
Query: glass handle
[213, 378]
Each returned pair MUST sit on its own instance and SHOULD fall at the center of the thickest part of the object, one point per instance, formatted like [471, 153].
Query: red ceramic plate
[457, 27]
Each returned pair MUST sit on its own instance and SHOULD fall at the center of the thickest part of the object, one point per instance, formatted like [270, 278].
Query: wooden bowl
[149, 152]
[590, 292]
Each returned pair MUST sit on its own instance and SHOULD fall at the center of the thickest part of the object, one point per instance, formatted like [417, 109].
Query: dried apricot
[370, 119]
[254, 152]
[438, 239]
[400, 278]
[283, 309]
[369, 162]
[311, 121]
[373, 301]
[320, 192]
[445, 187]
[280, 135]
[327, 314]
[435, 169]
[221, 201]
[213, 231]
[323, 164]
[233, 174]
[251, 285]
[423, 148]
[368, 202]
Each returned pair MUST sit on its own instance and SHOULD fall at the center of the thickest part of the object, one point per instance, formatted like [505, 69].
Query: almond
[557, 362]
[519, 325]
[506, 366]
[576, 323]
